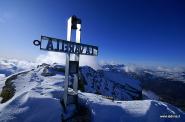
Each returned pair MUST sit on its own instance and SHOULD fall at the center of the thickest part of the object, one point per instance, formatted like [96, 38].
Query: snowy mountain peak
[36, 96]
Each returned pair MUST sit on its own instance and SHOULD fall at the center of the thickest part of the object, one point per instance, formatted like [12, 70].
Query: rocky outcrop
[8, 90]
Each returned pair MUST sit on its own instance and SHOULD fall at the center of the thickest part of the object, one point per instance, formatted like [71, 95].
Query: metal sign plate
[59, 45]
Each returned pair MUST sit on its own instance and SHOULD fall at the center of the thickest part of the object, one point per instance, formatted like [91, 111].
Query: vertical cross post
[77, 56]
[73, 23]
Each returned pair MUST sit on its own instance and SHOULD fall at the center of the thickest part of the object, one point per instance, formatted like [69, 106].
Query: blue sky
[126, 31]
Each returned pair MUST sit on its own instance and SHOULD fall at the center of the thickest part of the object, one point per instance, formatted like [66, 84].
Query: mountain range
[32, 92]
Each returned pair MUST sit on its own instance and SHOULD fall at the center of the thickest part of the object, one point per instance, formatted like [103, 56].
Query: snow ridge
[38, 94]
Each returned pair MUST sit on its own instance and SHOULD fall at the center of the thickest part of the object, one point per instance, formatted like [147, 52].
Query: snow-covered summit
[36, 98]
[104, 110]
[37, 93]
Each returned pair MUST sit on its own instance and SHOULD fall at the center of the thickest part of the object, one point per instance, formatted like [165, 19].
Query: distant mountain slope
[111, 84]
[171, 73]
[167, 83]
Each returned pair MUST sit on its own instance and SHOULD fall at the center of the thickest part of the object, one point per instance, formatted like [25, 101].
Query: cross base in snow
[71, 100]
[69, 108]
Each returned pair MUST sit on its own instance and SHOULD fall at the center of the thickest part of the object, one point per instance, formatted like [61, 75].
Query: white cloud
[54, 57]
[170, 69]
[135, 68]
[130, 68]
[89, 61]
[51, 57]
[105, 62]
